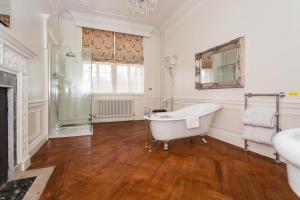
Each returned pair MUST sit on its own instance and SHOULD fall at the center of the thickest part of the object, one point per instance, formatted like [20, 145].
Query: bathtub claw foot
[204, 140]
[166, 146]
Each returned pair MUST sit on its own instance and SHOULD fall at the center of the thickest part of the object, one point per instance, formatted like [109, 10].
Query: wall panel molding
[37, 125]
[236, 140]
[34, 103]
[287, 107]
[232, 132]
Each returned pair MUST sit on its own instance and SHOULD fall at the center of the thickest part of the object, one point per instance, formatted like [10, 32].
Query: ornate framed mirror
[221, 66]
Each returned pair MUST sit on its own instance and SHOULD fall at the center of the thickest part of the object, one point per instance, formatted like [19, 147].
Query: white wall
[271, 29]
[28, 25]
[71, 36]
[152, 55]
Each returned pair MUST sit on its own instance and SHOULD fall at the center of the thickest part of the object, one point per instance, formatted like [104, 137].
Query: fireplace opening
[3, 136]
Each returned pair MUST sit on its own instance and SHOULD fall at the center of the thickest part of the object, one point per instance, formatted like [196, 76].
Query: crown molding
[134, 19]
[57, 6]
[111, 23]
[179, 15]
[125, 24]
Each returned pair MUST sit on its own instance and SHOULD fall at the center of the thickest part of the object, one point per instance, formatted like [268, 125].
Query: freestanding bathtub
[172, 125]
[287, 144]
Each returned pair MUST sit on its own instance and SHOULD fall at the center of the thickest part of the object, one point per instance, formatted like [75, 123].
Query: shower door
[75, 99]
[70, 89]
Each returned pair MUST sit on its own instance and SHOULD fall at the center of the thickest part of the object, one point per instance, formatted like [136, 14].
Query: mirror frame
[238, 43]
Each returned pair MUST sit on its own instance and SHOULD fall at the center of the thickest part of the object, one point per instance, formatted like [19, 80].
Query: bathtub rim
[156, 118]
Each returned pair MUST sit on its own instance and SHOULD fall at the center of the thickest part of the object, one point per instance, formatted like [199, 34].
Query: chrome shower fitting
[55, 75]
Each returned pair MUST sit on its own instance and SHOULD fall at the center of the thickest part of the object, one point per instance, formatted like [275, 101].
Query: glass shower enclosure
[70, 89]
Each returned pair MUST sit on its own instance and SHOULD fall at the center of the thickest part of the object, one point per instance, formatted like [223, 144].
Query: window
[122, 79]
[86, 79]
[136, 83]
[118, 78]
[104, 76]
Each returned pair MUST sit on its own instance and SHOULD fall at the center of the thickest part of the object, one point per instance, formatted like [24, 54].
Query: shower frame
[59, 125]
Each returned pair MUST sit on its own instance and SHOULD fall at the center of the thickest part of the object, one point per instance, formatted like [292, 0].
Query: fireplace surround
[8, 82]
[13, 77]
[3, 135]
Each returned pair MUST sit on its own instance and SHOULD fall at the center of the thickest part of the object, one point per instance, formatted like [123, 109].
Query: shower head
[70, 54]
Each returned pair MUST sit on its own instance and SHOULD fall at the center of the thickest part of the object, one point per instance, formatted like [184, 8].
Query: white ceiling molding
[119, 16]
[111, 24]
[57, 6]
[120, 10]
[182, 13]
[115, 15]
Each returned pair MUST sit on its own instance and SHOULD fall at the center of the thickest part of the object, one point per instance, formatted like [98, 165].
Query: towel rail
[277, 97]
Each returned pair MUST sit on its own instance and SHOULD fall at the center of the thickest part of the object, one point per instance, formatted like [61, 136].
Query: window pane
[122, 79]
[94, 78]
[136, 79]
[86, 79]
[113, 78]
[103, 82]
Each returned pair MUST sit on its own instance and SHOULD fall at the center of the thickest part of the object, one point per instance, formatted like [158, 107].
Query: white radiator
[114, 108]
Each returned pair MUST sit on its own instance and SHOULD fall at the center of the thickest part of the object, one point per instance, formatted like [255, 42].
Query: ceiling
[119, 10]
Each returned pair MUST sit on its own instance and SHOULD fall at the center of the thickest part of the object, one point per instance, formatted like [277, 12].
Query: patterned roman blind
[101, 42]
[129, 48]
[113, 47]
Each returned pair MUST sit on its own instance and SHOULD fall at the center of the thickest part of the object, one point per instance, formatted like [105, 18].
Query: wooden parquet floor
[114, 165]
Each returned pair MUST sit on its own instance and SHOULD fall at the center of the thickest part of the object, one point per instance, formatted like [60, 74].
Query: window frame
[114, 78]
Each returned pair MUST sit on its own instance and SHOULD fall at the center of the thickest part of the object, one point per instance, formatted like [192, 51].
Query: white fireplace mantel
[13, 60]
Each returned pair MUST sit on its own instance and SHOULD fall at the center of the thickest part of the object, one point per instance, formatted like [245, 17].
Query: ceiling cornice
[123, 23]
[117, 16]
[57, 6]
[111, 23]
[185, 10]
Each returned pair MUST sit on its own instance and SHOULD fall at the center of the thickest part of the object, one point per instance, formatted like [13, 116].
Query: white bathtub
[172, 125]
[287, 144]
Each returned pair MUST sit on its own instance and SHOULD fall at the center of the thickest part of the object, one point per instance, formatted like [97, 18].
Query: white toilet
[287, 144]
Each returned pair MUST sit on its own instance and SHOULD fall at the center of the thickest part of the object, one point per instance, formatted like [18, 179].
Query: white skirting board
[37, 144]
[237, 140]
[117, 119]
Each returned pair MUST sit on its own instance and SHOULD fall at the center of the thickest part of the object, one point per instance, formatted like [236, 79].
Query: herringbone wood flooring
[113, 164]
